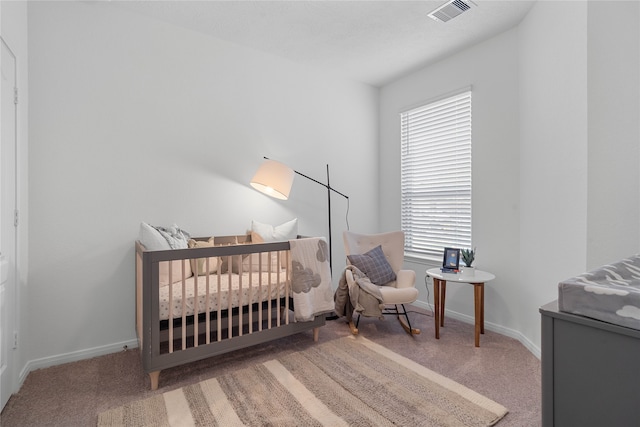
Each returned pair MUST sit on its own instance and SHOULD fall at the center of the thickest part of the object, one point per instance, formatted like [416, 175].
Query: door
[8, 221]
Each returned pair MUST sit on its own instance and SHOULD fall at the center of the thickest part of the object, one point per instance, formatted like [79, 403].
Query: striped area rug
[345, 382]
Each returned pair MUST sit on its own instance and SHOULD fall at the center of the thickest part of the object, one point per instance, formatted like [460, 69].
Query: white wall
[553, 156]
[136, 120]
[614, 131]
[492, 70]
[13, 26]
[580, 109]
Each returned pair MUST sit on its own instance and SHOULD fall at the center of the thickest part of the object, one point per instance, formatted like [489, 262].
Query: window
[436, 176]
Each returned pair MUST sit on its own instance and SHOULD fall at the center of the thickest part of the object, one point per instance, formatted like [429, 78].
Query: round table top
[479, 276]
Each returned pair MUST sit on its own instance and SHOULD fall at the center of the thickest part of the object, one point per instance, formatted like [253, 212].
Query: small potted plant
[468, 256]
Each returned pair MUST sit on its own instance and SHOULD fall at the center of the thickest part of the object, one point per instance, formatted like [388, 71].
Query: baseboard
[75, 356]
[511, 333]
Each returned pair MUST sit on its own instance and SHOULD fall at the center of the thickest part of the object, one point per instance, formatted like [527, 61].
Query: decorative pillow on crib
[236, 264]
[375, 265]
[163, 238]
[279, 233]
[154, 240]
[199, 266]
[266, 233]
[252, 263]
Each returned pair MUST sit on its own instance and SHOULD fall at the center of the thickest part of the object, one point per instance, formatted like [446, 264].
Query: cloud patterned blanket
[310, 278]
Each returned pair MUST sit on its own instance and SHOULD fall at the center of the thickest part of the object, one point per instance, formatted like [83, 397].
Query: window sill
[423, 260]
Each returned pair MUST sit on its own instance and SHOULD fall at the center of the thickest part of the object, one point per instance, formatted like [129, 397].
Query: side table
[478, 280]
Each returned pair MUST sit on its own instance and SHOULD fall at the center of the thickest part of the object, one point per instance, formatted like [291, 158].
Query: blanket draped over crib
[310, 278]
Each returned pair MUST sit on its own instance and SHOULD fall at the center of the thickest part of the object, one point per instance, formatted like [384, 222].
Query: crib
[239, 296]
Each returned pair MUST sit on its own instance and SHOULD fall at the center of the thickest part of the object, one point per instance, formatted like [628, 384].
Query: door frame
[9, 320]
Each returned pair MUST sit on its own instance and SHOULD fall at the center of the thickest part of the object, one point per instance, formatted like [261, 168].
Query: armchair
[395, 293]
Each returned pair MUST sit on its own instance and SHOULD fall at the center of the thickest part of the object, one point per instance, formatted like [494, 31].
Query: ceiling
[373, 42]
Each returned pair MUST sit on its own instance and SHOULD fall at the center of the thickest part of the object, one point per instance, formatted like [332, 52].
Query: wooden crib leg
[316, 334]
[154, 377]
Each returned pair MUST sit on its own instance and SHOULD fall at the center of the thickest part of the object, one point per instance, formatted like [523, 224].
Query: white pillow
[152, 239]
[265, 233]
[176, 237]
[155, 240]
[279, 233]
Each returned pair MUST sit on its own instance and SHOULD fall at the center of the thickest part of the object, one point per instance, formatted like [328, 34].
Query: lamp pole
[329, 190]
[329, 216]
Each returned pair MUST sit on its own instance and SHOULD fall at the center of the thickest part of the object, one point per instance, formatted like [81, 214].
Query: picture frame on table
[451, 260]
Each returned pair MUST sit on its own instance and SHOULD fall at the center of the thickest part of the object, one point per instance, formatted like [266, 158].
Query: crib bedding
[245, 289]
[610, 293]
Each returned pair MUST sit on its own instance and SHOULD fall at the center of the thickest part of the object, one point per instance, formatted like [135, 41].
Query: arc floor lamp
[275, 179]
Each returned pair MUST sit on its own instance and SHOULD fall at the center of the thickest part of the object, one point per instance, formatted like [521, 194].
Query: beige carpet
[349, 381]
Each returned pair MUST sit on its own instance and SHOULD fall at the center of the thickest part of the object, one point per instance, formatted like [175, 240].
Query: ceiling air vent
[450, 10]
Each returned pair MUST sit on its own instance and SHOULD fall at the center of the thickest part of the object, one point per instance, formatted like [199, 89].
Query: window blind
[436, 176]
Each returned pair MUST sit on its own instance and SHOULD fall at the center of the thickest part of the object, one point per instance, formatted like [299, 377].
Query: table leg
[482, 308]
[478, 292]
[436, 303]
[443, 295]
[476, 300]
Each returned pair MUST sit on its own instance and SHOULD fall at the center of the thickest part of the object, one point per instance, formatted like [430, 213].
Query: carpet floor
[74, 394]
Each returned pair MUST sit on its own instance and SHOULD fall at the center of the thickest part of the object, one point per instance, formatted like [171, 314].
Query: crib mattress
[610, 293]
[240, 289]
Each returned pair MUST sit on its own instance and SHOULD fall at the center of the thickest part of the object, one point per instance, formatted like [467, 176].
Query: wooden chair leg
[353, 328]
[404, 321]
[407, 328]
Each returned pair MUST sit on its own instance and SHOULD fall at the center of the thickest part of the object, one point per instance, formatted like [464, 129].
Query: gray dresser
[590, 371]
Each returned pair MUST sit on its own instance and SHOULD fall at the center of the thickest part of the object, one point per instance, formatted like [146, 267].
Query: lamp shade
[273, 178]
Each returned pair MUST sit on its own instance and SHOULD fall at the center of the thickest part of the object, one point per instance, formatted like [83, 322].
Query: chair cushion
[391, 295]
[375, 265]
